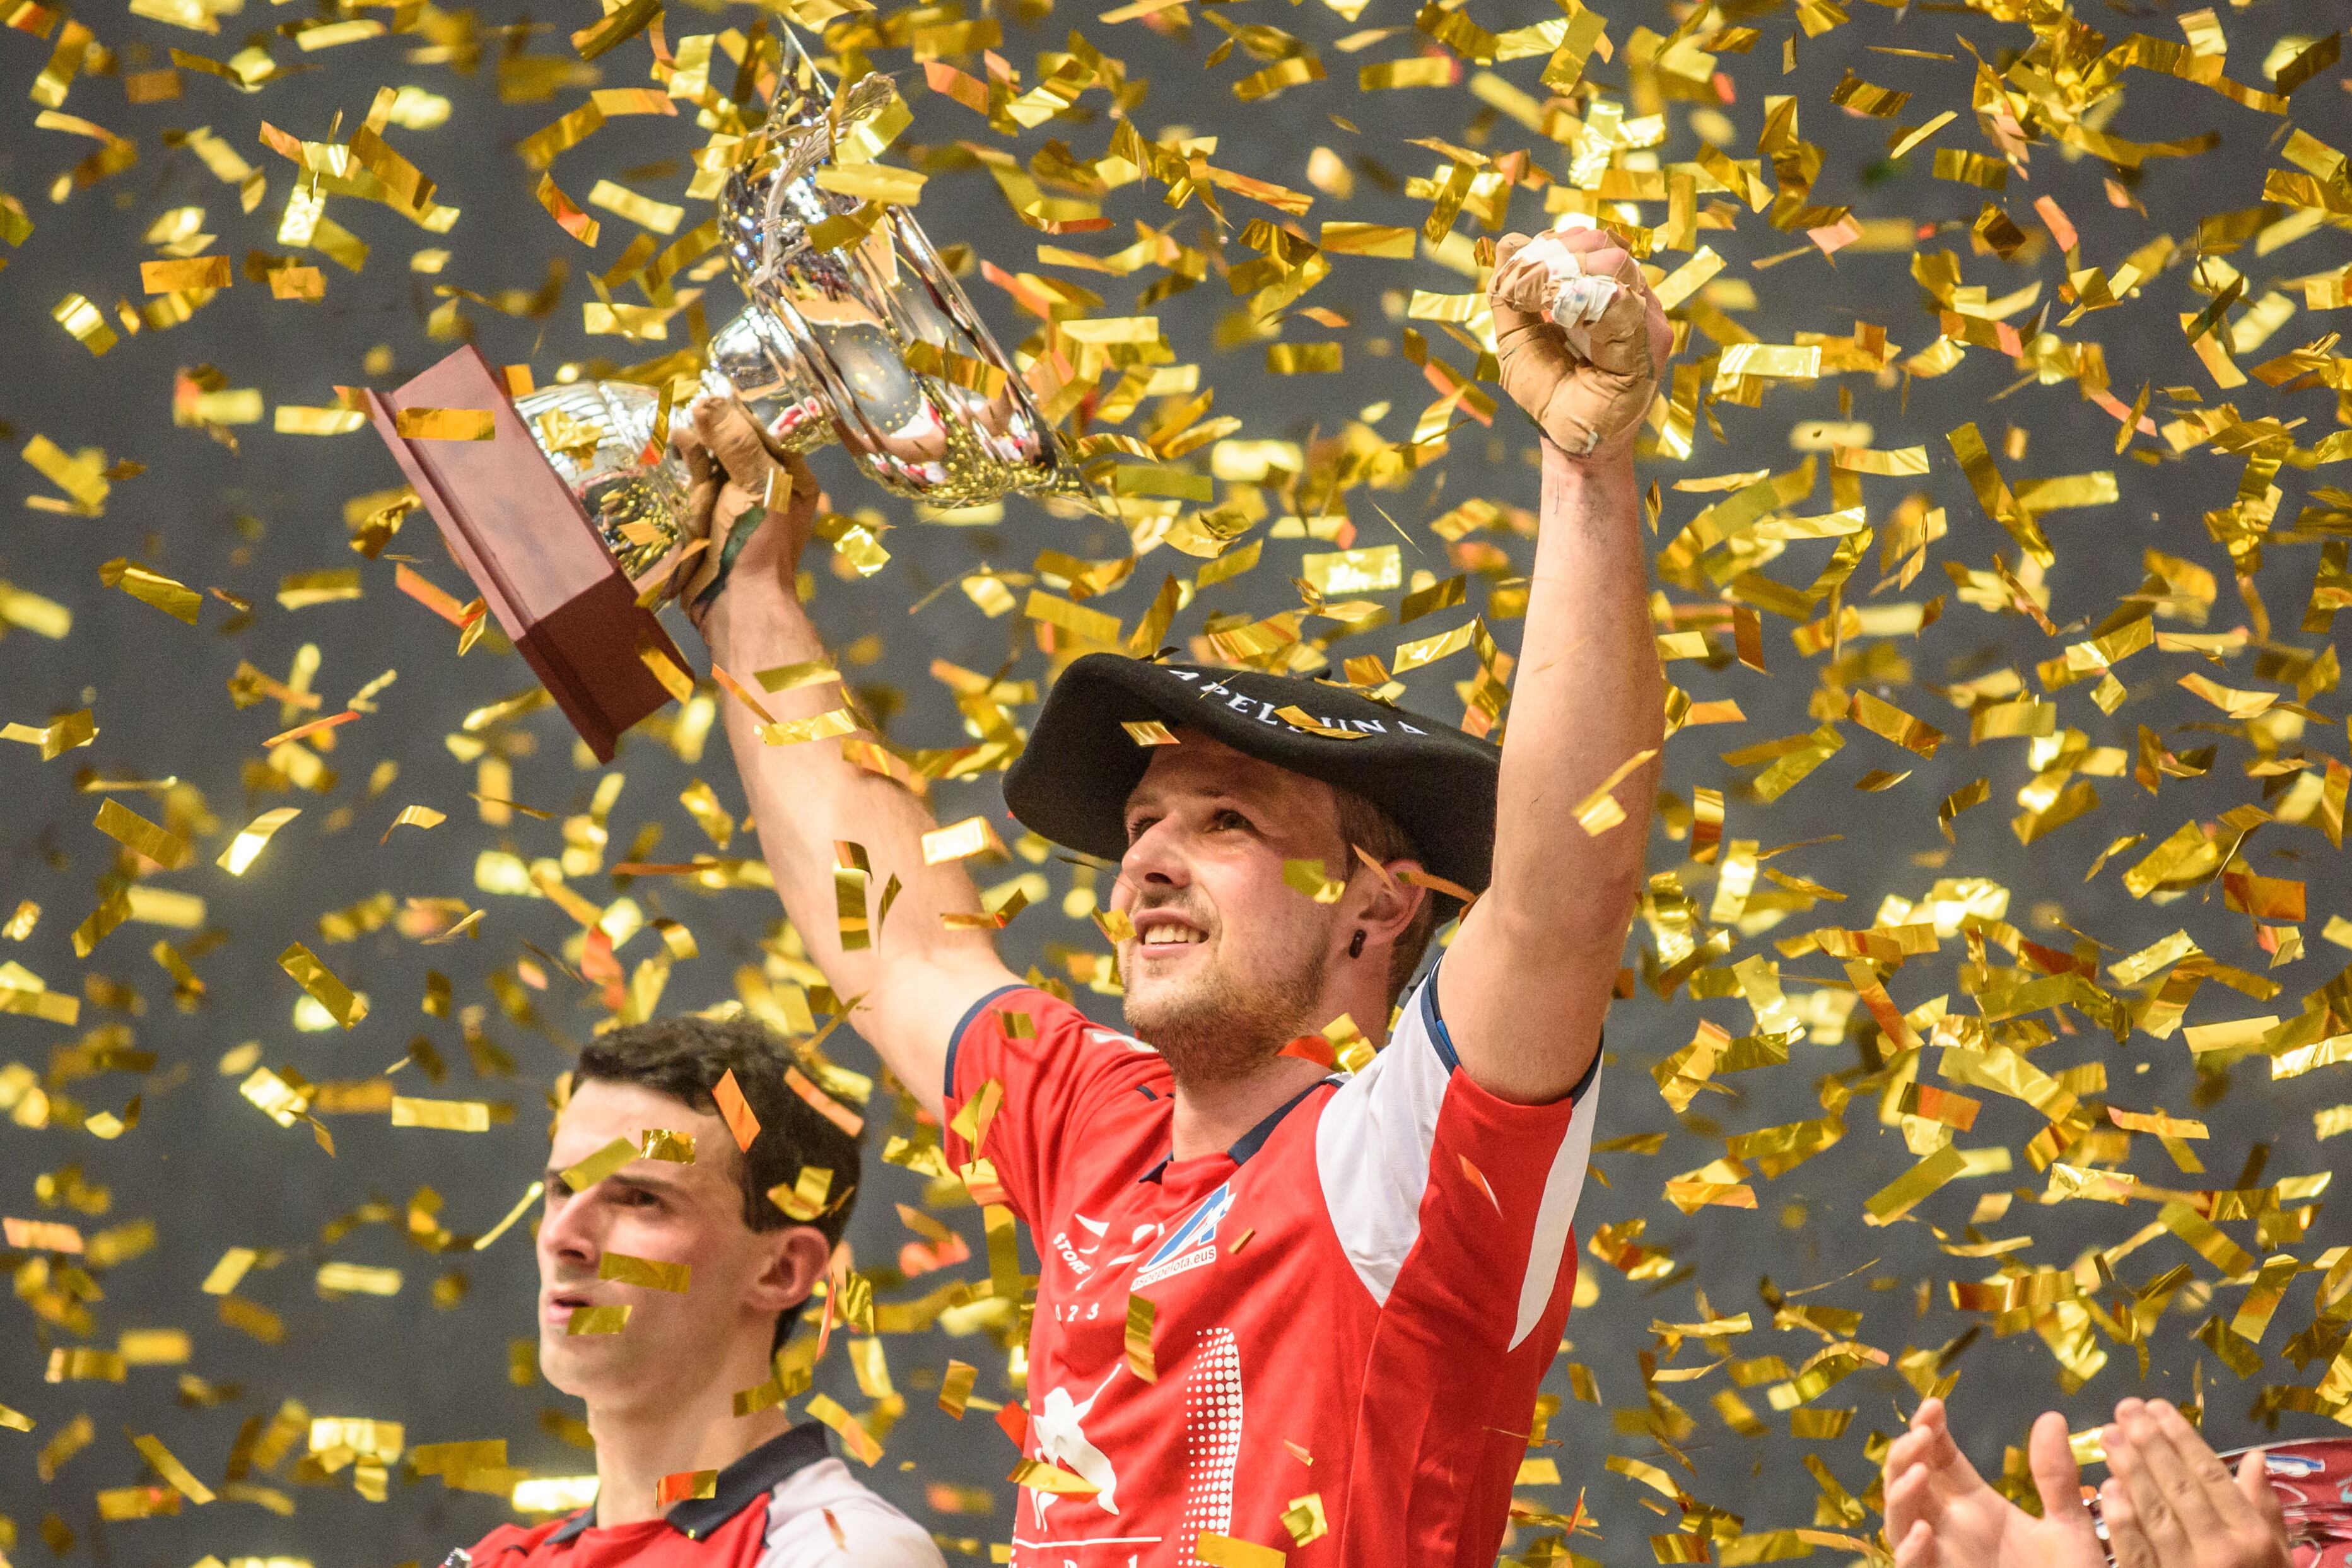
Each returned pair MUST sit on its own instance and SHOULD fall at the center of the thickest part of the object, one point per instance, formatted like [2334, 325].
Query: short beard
[1217, 1032]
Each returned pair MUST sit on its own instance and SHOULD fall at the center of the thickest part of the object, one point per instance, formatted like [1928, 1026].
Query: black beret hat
[1072, 782]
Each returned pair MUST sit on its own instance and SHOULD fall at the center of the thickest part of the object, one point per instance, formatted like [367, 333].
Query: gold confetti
[253, 837]
[1599, 812]
[628, 1271]
[1042, 1477]
[445, 424]
[1227, 1551]
[447, 1115]
[135, 833]
[341, 1004]
[149, 587]
[414, 817]
[607, 1320]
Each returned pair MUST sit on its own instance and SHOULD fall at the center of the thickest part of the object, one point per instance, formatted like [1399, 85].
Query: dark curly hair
[684, 1058]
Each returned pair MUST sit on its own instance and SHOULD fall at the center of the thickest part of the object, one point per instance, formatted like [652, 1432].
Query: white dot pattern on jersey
[1212, 1435]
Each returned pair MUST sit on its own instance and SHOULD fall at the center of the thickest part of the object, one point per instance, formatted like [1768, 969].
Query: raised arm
[915, 977]
[1526, 981]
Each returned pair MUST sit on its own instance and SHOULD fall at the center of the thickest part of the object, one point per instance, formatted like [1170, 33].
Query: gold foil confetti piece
[2205, 1238]
[1599, 812]
[2158, 1123]
[110, 912]
[961, 840]
[445, 424]
[56, 738]
[1148, 732]
[1886, 721]
[304, 730]
[605, 1320]
[1039, 1476]
[1228, 1551]
[1899, 1196]
[150, 588]
[659, 217]
[344, 1007]
[196, 272]
[819, 727]
[445, 1115]
[620, 24]
[1140, 1312]
[734, 1110]
[414, 817]
[1423, 651]
[661, 1143]
[619, 1265]
[88, 324]
[358, 1278]
[82, 476]
[807, 1196]
[250, 840]
[2236, 703]
[531, 1195]
[116, 1503]
[684, 1485]
[852, 1432]
[956, 1386]
[783, 678]
[301, 589]
[587, 1173]
[135, 833]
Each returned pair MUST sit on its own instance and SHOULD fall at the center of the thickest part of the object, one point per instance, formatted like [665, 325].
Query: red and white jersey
[1356, 1300]
[788, 1504]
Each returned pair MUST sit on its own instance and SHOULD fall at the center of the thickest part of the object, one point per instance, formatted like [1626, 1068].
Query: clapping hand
[2170, 1503]
[1941, 1514]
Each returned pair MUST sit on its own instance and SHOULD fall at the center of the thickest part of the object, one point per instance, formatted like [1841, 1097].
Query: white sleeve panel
[1372, 1143]
[1563, 1184]
[873, 1534]
[1373, 1148]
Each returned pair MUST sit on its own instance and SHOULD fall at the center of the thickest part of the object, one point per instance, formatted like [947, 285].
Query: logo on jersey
[1058, 1423]
[1191, 1244]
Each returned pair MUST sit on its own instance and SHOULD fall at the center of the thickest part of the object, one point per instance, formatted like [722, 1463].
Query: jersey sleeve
[1440, 1189]
[1057, 1070]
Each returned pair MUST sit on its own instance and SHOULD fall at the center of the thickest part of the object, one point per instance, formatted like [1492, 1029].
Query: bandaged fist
[1581, 341]
[738, 487]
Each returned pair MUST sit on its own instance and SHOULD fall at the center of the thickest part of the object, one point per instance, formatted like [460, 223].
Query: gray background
[211, 1172]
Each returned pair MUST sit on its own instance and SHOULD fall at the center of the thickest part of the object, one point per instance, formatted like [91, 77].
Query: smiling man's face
[1228, 960]
[665, 1213]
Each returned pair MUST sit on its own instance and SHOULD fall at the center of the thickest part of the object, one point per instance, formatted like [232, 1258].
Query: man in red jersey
[1279, 1304]
[681, 1239]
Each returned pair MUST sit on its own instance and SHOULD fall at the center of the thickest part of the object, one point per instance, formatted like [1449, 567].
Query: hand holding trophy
[746, 511]
[577, 516]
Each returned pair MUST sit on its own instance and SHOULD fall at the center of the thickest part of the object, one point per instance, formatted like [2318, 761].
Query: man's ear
[1390, 901]
[796, 1259]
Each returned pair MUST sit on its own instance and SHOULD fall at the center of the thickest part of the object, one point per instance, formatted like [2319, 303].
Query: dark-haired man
[1302, 1310]
[666, 1282]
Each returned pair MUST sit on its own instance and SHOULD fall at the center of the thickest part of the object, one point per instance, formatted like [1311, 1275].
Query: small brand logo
[1190, 1244]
